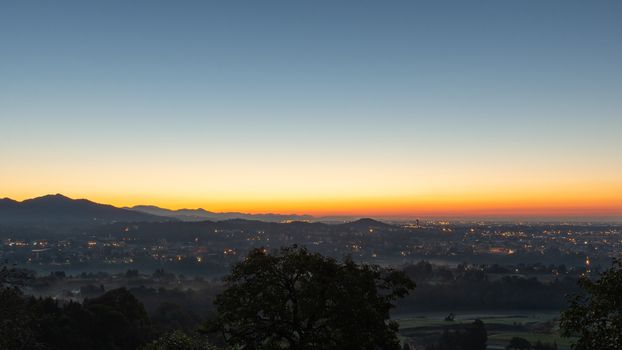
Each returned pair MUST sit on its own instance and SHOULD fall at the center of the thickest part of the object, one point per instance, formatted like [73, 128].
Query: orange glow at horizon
[326, 187]
[549, 204]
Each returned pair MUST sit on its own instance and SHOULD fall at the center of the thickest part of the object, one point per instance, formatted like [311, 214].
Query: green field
[425, 328]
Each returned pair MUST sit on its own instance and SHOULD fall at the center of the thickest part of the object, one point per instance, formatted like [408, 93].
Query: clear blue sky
[446, 85]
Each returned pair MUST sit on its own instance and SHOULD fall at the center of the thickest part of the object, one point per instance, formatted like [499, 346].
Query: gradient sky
[321, 107]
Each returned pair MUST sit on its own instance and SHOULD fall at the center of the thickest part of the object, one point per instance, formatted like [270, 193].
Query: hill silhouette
[59, 209]
[366, 224]
[52, 211]
[237, 231]
[201, 214]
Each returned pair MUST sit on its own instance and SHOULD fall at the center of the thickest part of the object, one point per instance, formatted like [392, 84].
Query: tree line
[292, 299]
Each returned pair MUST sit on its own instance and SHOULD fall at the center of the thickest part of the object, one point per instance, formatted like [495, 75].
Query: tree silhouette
[300, 300]
[518, 343]
[120, 318]
[470, 337]
[178, 340]
[595, 315]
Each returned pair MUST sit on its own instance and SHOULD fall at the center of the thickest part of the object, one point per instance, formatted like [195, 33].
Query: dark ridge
[366, 223]
[59, 209]
[201, 214]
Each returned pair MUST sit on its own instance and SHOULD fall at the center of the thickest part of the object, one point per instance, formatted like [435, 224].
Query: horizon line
[499, 214]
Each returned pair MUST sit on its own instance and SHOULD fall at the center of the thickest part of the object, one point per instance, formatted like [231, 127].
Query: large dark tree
[118, 318]
[299, 300]
[595, 315]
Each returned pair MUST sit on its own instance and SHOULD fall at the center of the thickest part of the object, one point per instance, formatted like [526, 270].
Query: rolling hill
[58, 209]
[202, 214]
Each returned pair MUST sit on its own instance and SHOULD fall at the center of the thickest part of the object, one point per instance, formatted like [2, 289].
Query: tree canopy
[518, 343]
[115, 320]
[178, 340]
[595, 315]
[469, 337]
[295, 299]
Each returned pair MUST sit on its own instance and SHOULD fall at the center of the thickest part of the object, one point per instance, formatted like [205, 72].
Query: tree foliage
[518, 343]
[178, 340]
[15, 321]
[471, 337]
[116, 320]
[300, 300]
[14, 277]
[595, 315]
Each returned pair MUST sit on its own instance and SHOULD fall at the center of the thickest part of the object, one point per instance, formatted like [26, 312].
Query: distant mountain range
[54, 211]
[60, 210]
[202, 215]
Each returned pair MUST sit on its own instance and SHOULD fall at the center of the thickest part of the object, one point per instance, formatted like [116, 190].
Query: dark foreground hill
[242, 233]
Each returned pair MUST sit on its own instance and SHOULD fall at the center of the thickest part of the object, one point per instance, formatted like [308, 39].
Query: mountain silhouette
[201, 214]
[366, 224]
[59, 209]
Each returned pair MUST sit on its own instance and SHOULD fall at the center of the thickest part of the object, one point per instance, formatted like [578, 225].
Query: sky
[404, 108]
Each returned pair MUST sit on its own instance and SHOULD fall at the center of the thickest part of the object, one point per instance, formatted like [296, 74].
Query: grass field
[425, 328]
